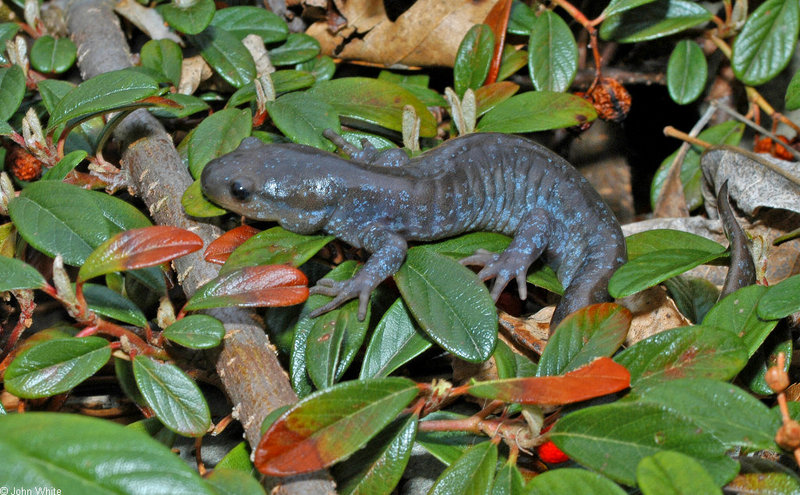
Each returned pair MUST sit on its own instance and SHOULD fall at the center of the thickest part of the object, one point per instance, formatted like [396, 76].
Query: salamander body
[380, 200]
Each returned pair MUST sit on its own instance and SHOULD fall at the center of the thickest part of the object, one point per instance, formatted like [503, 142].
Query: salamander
[380, 200]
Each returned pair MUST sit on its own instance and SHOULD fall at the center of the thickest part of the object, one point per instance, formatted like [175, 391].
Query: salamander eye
[240, 190]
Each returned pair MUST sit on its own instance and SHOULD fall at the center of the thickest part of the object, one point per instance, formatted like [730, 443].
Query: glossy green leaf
[188, 17]
[12, 89]
[684, 352]
[471, 474]
[331, 424]
[737, 313]
[449, 303]
[613, 438]
[103, 93]
[196, 205]
[252, 287]
[78, 454]
[732, 415]
[7, 32]
[447, 446]
[693, 296]
[491, 95]
[753, 375]
[53, 55]
[765, 482]
[373, 101]
[243, 20]
[283, 81]
[691, 175]
[792, 99]
[377, 468]
[574, 482]
[110, 304]
[189, 105]
[55, 366]
[466, 245]
[173, 396]
[303, 117]
[509, 481]
[395, 341]
[653, 268]
[216, 135]
[65, 165]
[511, 61]
[537, 111]
[653, 20]
[19, 275]
[589, 333]
[225, 480]
[780, 300]
[59, 218]
[226, 55]
[670, 472]
[163, 56]
[298, 48]
[766, 43]
[298, 365]
[521, 19]
[237, 458]
[473, 58]
[196, 332]
[667, 239]
[5, 128]
[275, 246]
[687, 71]
[552, 53]
[322, 67]
[619, 6]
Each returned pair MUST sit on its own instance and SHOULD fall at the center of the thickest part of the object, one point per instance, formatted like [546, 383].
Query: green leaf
[471, 474]
[395, 341]
[189, 19]
[508, 481]
[19, 275]
[619, 6]
[55, 366]
[298, 48]
[237, 458]
[613, 438]
[737, 313]
[226, 480]
[537, 111]
[331, 424]
[219, 133]
[163, 56]
[7, 32]
[373, 101]
[196, 332]
[780, 300]
[552, 53]
[189, 105]
[5, 128]
[110, 304]
[466, 245]
[275, 246]
[65, 165]
[303, 117]
[691, 175]
[693, 296]
[766, 43]
[521, 19]
[53, 55]
[243, 20]
[447, 446]
[754, 374]
[173, 396]
[684, 352]
[473, 58]
[730, 414]
[377, 468]
[78, 454]
[589, 333]
[670, 472]
[226, 55]
[196, 205]
[687, 71]
[653, 20]
[792, 99]
[12, 89]
[653, 268]
[450, 304]
[103, 93]
[511, 61]
[491, 95]
[322, 67]
[574, 482]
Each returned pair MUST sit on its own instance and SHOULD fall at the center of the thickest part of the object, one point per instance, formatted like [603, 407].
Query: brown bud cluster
[610, 98]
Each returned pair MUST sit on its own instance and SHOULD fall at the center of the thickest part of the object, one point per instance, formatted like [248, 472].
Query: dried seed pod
[23, 165]
[610, 98]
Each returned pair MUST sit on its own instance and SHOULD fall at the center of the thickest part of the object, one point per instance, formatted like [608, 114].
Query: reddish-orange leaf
[161, 101]
[497, 20]
[253, 286]
[139, 248]
[219, 250]
[600, 377]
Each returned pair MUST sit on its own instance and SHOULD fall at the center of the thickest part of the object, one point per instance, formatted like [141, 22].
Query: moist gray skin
[380, 200]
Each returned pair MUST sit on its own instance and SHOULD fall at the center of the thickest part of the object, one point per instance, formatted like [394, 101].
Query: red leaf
[161, 101]
[253, 286]
[219, 250]
[497, 20]
[600, 377]
[139, 248]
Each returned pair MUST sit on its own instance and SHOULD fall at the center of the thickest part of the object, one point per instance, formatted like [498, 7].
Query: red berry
[549, 453]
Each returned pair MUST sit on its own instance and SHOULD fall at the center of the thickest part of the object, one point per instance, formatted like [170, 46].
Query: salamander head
[278, 182]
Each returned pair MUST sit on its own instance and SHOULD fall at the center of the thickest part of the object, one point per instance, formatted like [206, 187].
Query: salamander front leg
[528, 244]
[388, 252]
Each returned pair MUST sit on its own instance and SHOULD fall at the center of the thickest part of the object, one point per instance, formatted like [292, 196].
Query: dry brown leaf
[653, 312]
[193, 71]
[146, 19]
[427, 34]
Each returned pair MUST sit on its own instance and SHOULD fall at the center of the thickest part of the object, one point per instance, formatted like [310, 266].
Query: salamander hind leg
[530, 241]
